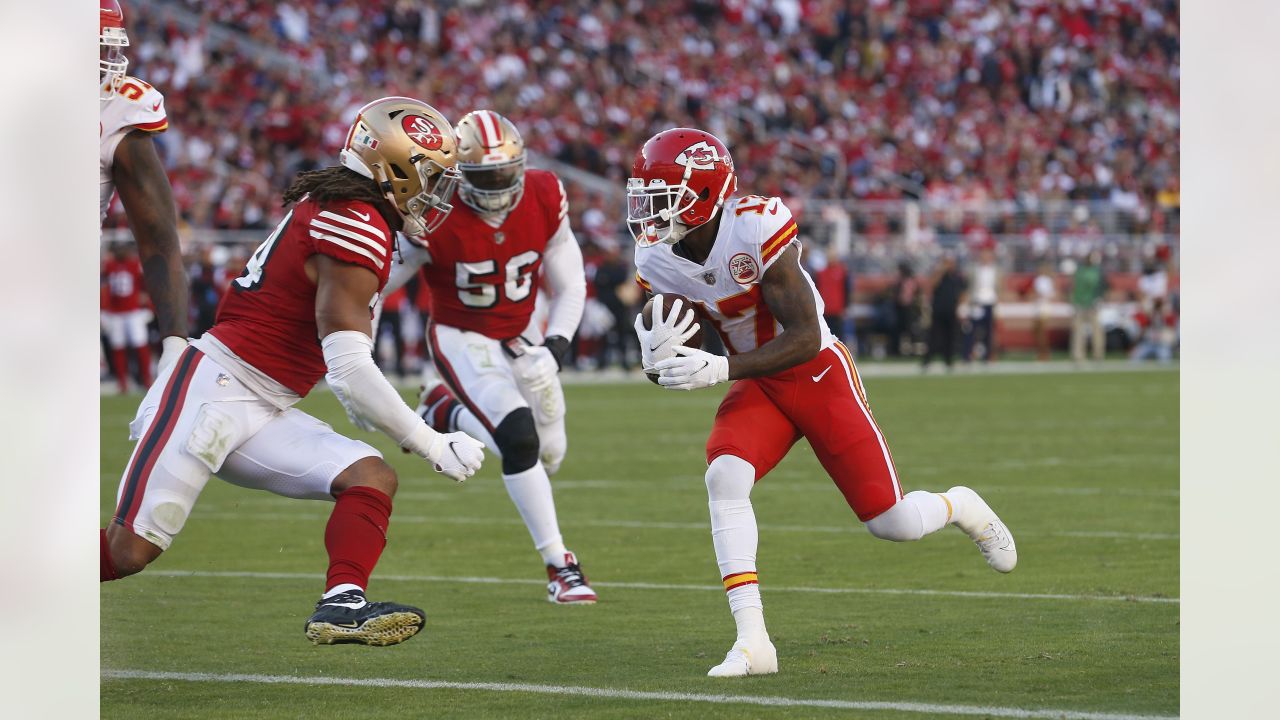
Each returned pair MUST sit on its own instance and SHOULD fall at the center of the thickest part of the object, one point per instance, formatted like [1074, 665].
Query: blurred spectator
[1158, 333]
[984, 284]
[392, 323]
[208, 279]
[835, 286]
[1154, 284]
[616, 290]
[1088, 287]
[949, 290]
[907, 299]
[124, 317]
[1044, 292]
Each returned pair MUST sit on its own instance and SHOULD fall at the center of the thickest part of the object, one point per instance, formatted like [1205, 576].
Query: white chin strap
[677, 232]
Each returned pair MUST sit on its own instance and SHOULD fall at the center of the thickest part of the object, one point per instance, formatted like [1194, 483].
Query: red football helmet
[112, 64]
[679, 180]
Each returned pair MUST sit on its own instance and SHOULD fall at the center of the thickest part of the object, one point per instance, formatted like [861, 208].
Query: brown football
[668, 299]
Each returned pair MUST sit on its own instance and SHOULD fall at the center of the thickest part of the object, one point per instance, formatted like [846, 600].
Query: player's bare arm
[788, 297]
[144, 191]
[343, 292]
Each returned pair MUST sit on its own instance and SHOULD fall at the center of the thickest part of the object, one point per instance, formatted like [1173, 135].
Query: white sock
[342, 588]
[466, 421]
[531, 492]
[735, 537]
[750, 621]
[914, 516]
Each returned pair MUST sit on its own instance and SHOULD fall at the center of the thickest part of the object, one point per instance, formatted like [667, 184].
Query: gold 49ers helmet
[491, 157]
[408, 148]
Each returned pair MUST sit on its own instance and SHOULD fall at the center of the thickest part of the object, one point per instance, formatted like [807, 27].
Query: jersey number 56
[478, 282]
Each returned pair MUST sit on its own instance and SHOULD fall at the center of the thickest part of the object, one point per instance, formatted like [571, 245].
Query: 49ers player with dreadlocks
[300, 312]
[738, 260]
[483, 267]
[130, 113]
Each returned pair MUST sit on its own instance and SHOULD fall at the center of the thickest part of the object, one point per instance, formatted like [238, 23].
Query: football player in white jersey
[130, 111]
[738, 262]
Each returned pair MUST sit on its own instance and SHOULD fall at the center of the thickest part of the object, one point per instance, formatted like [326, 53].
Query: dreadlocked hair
[334, 183]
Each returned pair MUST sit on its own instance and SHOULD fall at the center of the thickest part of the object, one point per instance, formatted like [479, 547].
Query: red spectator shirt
[484, 279]
[123, 280]
[268, 316]
[833, 285]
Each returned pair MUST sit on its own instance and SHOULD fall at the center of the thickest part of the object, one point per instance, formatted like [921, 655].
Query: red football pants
[822, 401]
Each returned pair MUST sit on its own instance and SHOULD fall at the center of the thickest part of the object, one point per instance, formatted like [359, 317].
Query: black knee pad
[517, 439]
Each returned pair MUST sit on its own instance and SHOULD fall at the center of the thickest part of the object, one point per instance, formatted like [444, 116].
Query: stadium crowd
[1011, 104]
[1027, 101]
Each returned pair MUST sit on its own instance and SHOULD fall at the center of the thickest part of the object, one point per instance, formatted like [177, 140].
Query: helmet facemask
[654, 210]
[112, 63]
[426, 211]
[492, 188]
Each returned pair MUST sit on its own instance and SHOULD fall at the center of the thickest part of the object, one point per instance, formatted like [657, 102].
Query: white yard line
[669, 586]
[623, 694]
[220, 513]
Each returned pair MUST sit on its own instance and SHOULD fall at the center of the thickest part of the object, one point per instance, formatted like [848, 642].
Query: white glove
[456, 454]
[691, 369]
[658, 342]
[536, 369]
[170, 348]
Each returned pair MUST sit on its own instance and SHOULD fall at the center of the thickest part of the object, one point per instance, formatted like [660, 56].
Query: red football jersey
[123, 279]
[484, 279]
[268, 315]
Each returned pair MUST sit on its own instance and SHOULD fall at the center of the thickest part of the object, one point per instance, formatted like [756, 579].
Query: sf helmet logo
[701, 155]
[423, 132]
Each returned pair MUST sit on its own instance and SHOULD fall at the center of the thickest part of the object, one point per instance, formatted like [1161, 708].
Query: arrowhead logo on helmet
[699, 156]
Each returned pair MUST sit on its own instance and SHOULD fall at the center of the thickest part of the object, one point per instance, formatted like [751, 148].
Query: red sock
[440, 407]
[144, 364]
[122, 368]
[355, 535]
[107, 569]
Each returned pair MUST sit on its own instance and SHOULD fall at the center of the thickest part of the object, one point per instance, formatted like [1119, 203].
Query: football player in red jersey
[738, 260]
[483, 268]
[130, 113]
[299, 312]
[124, 319]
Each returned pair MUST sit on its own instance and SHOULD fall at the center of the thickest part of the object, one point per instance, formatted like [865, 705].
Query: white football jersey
[134, 105]
[754, 232]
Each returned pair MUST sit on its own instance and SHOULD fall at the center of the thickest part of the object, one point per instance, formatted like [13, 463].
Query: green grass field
[1083, 468]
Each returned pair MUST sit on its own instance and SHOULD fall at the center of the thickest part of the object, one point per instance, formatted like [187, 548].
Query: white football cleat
[748, 657]
[984, 527]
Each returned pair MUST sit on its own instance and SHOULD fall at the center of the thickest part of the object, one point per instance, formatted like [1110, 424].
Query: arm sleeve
[562, 267]
[368, 398]
[412, 256]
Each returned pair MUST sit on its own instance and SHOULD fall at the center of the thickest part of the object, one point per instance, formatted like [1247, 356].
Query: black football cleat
[349, 618]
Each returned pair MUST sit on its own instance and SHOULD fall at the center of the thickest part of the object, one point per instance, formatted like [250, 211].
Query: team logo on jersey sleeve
[423, 132]
[743, 269]
[701, 155]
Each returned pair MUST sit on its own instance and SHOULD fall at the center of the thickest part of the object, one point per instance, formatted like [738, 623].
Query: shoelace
[993, 536]
[572, 576]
